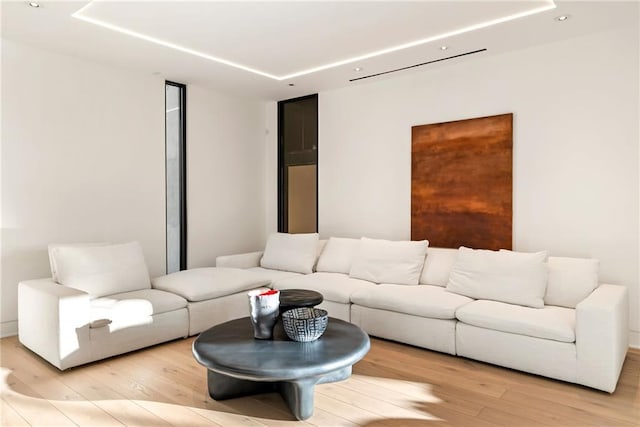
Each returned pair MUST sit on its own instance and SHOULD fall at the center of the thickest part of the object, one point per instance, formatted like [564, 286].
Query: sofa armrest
[602, 336]
[248, 260]
[53, 321]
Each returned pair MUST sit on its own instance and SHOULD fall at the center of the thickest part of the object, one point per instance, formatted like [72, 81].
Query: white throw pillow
[437, 266]
[337, 255]
[384, 261]
[52, 254]
[506, 276]
[570, 280]
[291, 252]
[102, 270]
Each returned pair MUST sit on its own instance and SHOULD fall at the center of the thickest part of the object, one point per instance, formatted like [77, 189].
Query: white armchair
[101, 305]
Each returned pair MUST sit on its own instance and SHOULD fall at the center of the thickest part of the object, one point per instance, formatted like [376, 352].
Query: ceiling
[280, 50]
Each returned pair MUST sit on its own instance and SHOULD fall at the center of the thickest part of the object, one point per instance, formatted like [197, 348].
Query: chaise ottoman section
[214, 295]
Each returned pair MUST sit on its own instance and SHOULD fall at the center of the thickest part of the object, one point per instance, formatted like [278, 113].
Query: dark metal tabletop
[230, 349]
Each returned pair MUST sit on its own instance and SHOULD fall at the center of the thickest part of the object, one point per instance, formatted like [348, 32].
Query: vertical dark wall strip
[282, 182]
[182, 171]
[183, 177]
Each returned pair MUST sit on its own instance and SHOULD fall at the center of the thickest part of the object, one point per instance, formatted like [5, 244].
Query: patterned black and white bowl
[305, 324]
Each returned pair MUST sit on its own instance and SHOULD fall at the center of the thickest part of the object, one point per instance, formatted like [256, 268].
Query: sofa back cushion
[506, 276]
[102, 270]
[385, 261]
[291, 252]
[570, 280]
[52, 254]
[437, 266]
[337, 255]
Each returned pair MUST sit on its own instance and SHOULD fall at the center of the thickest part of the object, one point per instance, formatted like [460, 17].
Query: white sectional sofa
[539, 314]
[544, 315]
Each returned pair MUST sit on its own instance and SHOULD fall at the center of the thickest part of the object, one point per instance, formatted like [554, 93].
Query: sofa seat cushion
[201, 284]
[336, 287]
[550, 322]
[143, 303]
[273, 275]
[424, 301]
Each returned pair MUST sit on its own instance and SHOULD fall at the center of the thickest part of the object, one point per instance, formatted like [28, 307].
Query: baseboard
[8, 329]
[634, 339]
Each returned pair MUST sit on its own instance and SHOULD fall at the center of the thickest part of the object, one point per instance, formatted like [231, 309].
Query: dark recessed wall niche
[298, 165]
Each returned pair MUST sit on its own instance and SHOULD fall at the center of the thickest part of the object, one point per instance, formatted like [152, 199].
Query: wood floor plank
[320, 417]
[9, 417]
[381, 408]
[395, 385]
[65, 399]
[563, 411]
[344, 410]
[503, 418]
[36, 410]
[418, 394]
[177, 415]
[432, 374]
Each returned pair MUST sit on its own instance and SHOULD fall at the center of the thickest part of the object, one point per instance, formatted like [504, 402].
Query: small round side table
[295, 298]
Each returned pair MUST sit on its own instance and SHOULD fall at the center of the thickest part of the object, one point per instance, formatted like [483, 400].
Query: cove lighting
[81, 15]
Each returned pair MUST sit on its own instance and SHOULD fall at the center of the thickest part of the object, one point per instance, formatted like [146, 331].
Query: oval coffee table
[239, 365]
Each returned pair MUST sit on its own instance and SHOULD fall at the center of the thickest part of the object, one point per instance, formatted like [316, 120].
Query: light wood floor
[395, 385]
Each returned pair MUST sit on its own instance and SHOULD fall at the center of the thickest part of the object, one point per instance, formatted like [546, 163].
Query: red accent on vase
[269, 292]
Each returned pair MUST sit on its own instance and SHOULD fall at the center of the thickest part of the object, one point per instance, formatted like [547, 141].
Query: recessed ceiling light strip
[80, 15]
[417, 65]
[457, 32]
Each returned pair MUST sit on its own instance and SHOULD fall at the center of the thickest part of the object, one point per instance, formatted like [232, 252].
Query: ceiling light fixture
[357, 69]
[291, 84]
[34, 4]
[81, 14]
[562, 18]
[444, 47]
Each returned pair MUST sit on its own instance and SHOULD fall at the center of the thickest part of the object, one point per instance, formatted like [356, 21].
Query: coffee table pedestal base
[298, 393]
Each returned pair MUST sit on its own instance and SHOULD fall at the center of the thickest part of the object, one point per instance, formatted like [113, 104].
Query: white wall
[225, 164]
[576, 138]
[83, 160]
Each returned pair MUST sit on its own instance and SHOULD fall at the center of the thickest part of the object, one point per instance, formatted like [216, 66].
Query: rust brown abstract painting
[461, 183]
